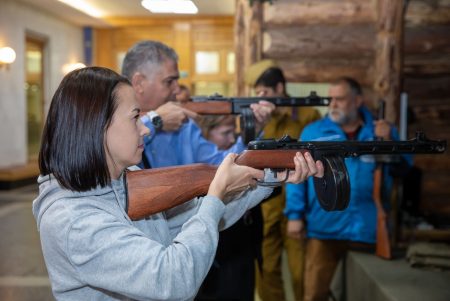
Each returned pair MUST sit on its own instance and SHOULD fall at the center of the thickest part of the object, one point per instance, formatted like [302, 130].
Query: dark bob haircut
[81, 111]
[270, 78]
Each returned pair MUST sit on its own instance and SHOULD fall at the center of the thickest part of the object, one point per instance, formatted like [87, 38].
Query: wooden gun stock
[150, 191]
[154, 190]
[383, 245]
[209, 108]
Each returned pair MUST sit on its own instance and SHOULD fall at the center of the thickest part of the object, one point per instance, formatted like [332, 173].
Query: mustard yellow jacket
[285, 121]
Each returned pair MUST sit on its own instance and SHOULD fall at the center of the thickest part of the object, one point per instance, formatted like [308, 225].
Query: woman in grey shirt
[92, 250]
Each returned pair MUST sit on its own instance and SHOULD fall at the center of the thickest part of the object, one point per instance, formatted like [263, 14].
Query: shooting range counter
[371, 278]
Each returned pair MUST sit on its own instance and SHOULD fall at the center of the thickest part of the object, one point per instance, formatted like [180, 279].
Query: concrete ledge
[373, 279]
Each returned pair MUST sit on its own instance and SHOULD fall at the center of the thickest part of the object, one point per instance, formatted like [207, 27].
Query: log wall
[426, 79]
[315, 40]
[389, 47]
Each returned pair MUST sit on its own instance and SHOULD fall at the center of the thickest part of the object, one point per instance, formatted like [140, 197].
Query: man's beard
[341, 118]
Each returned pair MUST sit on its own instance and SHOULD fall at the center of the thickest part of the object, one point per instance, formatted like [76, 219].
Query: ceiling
[122, 8]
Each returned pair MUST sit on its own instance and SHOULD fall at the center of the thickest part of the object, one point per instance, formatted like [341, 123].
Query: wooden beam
[388, 55]
[424, 88]
[239, 42]
[320, 41]
[426, 12]
[255, 32]
[323, 70]
[294, 12]
[248, 39]
[430, 39]
[426, 65]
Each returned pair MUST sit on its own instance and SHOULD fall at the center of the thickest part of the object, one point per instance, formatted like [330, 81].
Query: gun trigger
[274, 183]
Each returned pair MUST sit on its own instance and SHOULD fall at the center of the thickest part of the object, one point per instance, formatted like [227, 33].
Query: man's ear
[137, 81]
[279, 89]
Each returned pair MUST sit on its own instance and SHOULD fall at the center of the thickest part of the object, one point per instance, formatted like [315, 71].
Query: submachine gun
[154, 190]
[217, 104]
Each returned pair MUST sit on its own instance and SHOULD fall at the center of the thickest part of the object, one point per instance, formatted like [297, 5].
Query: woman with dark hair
[92, 250]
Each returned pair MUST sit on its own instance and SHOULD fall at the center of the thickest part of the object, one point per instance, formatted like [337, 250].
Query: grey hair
[146, 52]
[355, 87]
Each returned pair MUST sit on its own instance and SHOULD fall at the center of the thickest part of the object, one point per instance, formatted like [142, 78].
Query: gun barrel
[199, 104]
[419, 145]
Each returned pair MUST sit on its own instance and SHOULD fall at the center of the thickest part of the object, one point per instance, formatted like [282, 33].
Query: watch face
[157, 122]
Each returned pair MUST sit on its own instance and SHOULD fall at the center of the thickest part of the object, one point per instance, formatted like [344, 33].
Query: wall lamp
[7, 56]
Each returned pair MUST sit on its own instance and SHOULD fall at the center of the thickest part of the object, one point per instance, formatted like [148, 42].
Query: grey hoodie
[93, 251]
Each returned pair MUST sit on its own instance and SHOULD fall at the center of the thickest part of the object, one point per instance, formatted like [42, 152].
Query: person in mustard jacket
[268, 81]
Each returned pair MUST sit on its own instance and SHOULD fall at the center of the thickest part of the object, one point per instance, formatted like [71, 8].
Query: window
[304, 89]
[207, 62]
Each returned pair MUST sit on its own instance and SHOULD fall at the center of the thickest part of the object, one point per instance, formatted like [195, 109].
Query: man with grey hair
[331, 234]
[152, 68]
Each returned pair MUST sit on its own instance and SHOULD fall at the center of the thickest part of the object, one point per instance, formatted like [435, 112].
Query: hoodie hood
[51, 191]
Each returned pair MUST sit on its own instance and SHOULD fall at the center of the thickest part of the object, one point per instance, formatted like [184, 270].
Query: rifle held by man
[219, 105]
[154, 190]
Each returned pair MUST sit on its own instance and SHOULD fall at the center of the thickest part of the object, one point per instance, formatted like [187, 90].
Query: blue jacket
[184, 146]
[358, 221]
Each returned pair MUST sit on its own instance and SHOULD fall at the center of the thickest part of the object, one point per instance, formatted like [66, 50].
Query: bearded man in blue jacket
[331, 234]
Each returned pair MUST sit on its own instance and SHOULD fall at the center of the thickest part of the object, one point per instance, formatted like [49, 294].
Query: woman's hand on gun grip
[231, 179]
[304, 168]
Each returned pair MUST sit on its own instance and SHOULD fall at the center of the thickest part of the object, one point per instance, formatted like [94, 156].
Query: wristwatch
[156, 120]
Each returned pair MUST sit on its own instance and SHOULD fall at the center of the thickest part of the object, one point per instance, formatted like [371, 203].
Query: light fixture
[85, 7]
[7, 56]
[170, 6]
[70, 67]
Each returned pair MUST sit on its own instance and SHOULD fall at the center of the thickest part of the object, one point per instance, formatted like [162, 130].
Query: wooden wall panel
[103, 49]
[204, 35]
[184, 34]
